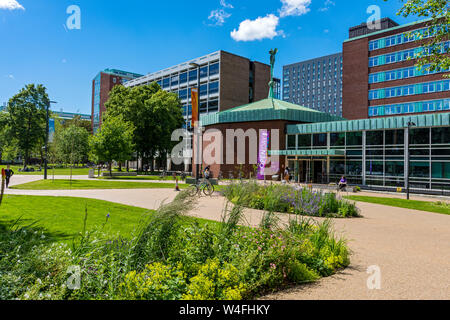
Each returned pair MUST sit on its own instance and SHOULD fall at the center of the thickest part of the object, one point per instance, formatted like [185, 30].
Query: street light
[197, 174]
[410, 124]
[46, 138]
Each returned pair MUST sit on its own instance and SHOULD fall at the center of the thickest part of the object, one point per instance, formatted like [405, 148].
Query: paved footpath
[412, 248]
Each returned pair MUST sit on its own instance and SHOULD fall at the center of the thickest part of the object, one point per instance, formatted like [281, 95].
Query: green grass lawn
[60, 184]
[62, 218]
[436, 207]
[57, 172]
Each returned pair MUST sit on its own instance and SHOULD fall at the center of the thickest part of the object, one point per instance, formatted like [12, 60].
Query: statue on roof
[273, 53]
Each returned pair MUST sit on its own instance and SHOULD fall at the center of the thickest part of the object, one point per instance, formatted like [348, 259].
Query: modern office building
[315, 83]
[379, 74]
[101, 86]
[226, 81]
[3, 106]
[70, 115]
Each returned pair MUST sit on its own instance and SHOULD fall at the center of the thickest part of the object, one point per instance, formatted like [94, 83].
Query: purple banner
[262, 153]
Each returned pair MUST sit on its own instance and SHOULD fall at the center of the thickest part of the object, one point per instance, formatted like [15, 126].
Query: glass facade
[183, 79]
[316, 84]
[412, 107]
[420, 88]
[377, 157]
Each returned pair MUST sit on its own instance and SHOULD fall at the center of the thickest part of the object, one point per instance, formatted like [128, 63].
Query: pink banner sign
[263, 153]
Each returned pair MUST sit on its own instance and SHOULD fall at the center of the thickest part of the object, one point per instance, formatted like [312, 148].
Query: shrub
[215, 282]
[156, 282]
[285, 198]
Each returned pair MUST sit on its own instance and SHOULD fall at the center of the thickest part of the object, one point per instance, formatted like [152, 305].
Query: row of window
[378, 143]
[204, 107]
[421, 88]
[403, 73]
[403, 55]
[188, 76]
[424, 106]
[211, 88]
[403, 38]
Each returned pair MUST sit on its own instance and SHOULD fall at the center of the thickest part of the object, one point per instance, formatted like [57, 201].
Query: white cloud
[327, 5]
[64, 60]
[261, 28]
[294, 7]
[11, 76]
[224, 4]
[326, 31]
[219, 16]
[10, 5]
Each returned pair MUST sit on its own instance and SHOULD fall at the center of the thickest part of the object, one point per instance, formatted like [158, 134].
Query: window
[337, 139]
[320, 140]
[166, 83]
[203, 90]
[183, 94]
[291, 142]
[214, 87]
[213, 106]
[214, 69]
[394, 137]
[193, 75]
[420, 136]
[183, 78]
[354, 138]
[175, 80]
[374, 138]
[203, 72]
[304, 141]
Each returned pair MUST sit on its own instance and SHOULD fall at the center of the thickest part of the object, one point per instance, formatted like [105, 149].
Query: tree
[153, 113]
[435, 53]
[71, 145]
[113, 142]
[27, 119]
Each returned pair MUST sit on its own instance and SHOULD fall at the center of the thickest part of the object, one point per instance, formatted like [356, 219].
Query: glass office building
[373, 153]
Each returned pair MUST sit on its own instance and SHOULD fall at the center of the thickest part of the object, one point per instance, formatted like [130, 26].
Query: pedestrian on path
[9, 173]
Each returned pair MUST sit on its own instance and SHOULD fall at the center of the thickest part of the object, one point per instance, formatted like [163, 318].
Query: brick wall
[234, 81]
[355, 79]
[247, 167]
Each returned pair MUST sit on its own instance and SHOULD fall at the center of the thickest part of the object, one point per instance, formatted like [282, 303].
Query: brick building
[226, 81]
[379, 74]
[101, 86]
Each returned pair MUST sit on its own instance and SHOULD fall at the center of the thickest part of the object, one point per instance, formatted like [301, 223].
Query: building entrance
[309, 171]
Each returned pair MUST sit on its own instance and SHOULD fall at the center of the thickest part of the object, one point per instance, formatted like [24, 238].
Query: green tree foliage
[113, 142]
[72, 144]
[438, 13]
[153, 113]
[26, 123]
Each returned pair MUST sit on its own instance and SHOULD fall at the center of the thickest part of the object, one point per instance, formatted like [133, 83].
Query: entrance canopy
[316, 152]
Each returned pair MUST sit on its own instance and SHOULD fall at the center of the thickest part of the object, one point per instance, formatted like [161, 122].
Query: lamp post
[410, 124]
[46, 137]
[196, 127]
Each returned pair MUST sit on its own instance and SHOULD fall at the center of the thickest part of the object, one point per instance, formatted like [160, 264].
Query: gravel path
[411, 248]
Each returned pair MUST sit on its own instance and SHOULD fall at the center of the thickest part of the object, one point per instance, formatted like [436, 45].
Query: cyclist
[207, 173]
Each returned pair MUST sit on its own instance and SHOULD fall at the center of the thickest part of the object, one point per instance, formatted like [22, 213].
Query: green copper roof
[316, 152]
[268, 109]
[423, 120]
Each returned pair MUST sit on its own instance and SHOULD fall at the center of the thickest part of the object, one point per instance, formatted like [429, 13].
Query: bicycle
[202, 185]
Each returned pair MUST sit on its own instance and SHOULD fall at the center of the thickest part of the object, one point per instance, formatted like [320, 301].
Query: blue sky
[145, 36]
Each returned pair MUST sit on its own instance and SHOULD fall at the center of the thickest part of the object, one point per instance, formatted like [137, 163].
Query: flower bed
[171, 257]
[290, 199]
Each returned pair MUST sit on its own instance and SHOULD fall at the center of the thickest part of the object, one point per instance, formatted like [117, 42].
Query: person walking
[9, 173]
